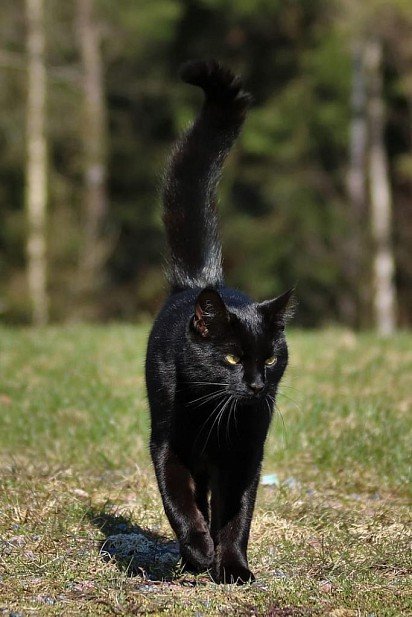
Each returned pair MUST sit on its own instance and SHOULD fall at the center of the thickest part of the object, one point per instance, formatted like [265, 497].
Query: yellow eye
[232, 359]
[271, 361]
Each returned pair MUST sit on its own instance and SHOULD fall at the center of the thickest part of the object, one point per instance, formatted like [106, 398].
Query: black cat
[215, 358]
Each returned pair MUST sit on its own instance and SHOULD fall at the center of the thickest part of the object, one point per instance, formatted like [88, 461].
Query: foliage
[284, 203]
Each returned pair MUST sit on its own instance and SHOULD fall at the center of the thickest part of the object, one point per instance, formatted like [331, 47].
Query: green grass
[332, 539]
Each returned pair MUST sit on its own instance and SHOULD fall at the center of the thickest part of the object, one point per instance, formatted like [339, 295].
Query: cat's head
[242, 348]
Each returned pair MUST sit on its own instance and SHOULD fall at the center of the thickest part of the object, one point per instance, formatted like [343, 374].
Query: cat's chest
[219, 426]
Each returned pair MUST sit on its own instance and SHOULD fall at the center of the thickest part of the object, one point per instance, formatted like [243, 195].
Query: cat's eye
[230, 359]
[271, 361]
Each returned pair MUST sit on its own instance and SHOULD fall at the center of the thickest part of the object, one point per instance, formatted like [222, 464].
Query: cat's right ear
[211, 314]
[279, 310]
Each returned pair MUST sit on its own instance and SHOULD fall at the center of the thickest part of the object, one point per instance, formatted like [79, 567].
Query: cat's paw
[197, 551]
[232, 573]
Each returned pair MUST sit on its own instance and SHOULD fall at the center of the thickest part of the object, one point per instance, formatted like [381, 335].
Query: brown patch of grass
[334, 541]
[313, 553]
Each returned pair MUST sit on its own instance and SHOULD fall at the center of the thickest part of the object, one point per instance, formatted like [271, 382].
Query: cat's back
[170, 324]
[167, 339]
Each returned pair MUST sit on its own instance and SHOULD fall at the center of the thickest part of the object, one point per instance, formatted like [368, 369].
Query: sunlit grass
[331, 538]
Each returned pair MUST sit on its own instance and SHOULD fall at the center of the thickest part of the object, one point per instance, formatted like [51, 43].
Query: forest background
[317, 192]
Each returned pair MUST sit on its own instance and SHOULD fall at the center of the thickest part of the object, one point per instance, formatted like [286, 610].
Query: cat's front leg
[177, 488]
[233, 500]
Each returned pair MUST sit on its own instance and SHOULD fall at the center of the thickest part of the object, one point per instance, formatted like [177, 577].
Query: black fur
[190, 187]
[210, 418]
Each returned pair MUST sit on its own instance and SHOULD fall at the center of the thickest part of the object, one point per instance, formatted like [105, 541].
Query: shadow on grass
[136, 551]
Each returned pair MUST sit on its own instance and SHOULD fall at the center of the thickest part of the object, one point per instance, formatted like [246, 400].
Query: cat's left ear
[211, 314]
[279, 310]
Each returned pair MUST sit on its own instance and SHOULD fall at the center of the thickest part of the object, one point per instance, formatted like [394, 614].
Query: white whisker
[228, 419]
[289, 398]
[206, 383]
[281, 417]
[214, 422]
[220, 418]
[208, 396]
[212, 413]
[234, 413]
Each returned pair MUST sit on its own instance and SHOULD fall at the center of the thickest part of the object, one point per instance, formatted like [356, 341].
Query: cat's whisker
[278, 411]
[220, 418]
[208, 400]
[289, 387]
[289, 398]
[281, 416]
[285, 434]
[228, 419]
[208, 396]
[214, 421]
[199, 384]
[232, 406]
[204, 398]
[269, 409]
[236, 404]
[228, 413]
[206, 383]
[272, 398]
[212, 413]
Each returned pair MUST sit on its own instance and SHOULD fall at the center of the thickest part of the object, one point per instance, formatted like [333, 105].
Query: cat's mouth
[252, 397]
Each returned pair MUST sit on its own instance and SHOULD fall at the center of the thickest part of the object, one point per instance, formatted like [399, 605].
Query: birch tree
[383, 262]
[357, 180]
[369, 180]
[36, 162]
[94, 137]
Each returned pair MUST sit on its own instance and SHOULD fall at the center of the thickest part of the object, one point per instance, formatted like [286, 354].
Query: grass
[330, 539]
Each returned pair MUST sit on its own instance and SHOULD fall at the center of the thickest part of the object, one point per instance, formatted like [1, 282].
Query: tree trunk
[384, 292]
[357, 188]
[36, 165]
[94, 133]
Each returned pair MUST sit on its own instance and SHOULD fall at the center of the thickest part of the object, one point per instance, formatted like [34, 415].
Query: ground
[331, 533]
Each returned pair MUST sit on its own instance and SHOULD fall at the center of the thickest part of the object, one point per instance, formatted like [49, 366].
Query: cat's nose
[256, 386]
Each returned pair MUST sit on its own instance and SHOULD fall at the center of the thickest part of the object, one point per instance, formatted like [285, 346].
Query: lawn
[330, 536]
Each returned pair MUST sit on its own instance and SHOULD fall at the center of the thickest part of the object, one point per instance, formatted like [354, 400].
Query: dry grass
[332, 539]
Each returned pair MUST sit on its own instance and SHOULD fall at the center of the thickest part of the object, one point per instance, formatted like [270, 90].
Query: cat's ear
[279, 310]
[211, 314]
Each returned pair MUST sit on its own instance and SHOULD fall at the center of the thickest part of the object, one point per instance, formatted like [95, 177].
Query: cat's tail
[189, 195]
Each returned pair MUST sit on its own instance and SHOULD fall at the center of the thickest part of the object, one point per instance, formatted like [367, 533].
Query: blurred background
[317, 192]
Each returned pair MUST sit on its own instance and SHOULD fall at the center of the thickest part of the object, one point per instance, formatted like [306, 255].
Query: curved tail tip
[217, 81]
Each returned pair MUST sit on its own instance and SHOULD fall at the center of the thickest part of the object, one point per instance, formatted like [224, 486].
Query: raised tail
[189, 194]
